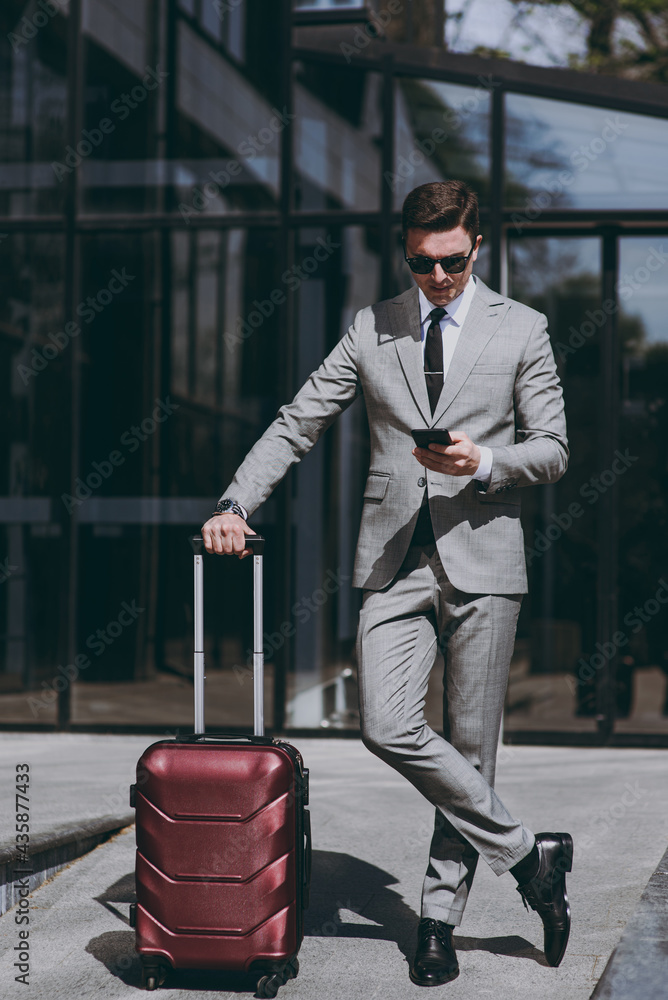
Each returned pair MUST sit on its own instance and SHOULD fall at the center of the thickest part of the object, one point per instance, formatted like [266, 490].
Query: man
[440, 554]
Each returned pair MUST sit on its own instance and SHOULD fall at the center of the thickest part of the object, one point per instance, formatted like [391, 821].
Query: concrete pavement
[371, 832]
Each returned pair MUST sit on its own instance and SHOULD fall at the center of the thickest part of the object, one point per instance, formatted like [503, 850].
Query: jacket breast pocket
[376, 486]
[493, 370]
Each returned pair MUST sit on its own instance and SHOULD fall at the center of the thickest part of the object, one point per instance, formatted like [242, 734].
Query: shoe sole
[432, 982]
[566, 865]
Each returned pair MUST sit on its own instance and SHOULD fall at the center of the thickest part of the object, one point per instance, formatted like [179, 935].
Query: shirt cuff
[484, 471]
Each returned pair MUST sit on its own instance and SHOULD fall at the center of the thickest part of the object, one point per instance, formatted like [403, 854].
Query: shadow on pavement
[339, 882]
[116, 951]
[512, 944]
[343, 882]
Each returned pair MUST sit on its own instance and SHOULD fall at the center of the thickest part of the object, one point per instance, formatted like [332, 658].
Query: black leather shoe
[435, 960]
[546, 892]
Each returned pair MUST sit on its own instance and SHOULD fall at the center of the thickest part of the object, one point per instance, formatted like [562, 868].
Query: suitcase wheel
[152, 976]
[268, 986]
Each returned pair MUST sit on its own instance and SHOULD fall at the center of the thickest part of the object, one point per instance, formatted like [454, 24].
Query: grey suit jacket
[502, 389]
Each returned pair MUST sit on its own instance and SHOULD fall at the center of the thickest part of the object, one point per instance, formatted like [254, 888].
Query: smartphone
[424, 436]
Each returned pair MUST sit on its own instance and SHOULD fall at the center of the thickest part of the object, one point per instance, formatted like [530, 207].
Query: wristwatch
[228, 506]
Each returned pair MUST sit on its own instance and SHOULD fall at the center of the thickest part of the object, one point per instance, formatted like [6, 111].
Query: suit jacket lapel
[404, 313]
[484, 316]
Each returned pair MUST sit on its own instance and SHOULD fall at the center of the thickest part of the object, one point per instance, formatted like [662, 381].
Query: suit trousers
[399, 633]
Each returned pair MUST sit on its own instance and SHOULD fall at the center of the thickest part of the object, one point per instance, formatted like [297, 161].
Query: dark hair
[441, 206]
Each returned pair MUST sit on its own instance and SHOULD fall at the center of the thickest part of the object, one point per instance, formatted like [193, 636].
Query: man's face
[440, 287]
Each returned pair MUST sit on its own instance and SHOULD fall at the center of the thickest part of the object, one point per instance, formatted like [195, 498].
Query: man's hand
[224, 534]
[461, 458]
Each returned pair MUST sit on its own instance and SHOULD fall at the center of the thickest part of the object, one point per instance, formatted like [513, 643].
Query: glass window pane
[212, 20]
[33, 107]
[328, 488]
[228, 120]
[118, 169]
[561, 278]
[441, 133]
[225, 341]
[337, 137]
[203, 140]
[35, 454]
[35, 448]
[156, 454]
[563, 155]
[549, 34]
[642, 668]
[181, 244]
[206, 313]
[235, 32]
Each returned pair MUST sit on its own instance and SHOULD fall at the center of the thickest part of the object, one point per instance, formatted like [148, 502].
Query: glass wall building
[196, 196]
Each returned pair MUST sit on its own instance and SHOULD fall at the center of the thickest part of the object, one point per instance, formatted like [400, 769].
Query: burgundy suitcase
[223, 839]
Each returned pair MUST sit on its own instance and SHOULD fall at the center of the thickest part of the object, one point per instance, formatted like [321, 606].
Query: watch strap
[229, 506]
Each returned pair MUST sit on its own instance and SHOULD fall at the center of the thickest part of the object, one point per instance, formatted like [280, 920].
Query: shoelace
[435, 928]
[532, 899]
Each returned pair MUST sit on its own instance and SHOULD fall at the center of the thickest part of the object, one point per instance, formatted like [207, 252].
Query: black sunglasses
[451, 265]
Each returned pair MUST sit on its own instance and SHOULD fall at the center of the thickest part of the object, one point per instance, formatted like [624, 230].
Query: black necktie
[433, 358]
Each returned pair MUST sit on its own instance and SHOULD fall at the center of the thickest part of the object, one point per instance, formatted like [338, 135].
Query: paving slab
[371, 833]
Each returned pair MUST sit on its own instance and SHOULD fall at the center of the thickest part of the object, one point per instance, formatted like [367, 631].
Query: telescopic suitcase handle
[256, 543]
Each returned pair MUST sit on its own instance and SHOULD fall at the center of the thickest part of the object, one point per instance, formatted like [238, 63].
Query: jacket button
[422, 481]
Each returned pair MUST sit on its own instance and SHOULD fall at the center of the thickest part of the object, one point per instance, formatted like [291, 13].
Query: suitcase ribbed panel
[270, 942]
[209, 780]
[216, 868]
[222, 849]
[216, 907]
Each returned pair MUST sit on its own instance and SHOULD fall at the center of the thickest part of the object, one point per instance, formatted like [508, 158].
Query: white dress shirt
[451, 325]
